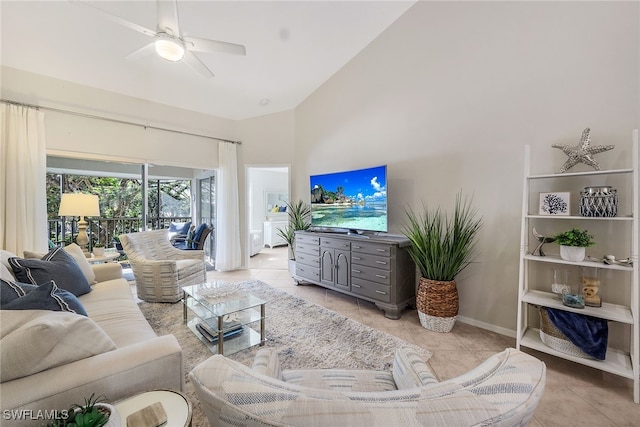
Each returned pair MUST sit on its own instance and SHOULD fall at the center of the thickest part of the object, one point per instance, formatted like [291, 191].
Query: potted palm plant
[573, 244]
[299, 219]
[441, 246]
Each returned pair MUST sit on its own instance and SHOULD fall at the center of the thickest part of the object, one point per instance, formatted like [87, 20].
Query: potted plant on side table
[98, 249]
[299, 219]
[93, 413]
[441, 246]
[573, 244]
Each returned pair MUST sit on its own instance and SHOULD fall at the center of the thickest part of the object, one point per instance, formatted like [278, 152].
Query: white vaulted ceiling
[292, 48]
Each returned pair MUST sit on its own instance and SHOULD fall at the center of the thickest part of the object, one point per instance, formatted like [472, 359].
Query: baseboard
[489, 327]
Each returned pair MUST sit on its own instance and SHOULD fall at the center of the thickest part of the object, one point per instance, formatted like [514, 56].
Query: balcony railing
[103, 230]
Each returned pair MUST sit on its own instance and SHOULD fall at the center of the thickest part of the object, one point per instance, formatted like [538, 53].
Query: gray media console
[377, 269]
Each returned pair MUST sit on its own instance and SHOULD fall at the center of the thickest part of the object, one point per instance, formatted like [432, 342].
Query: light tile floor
[574, 394]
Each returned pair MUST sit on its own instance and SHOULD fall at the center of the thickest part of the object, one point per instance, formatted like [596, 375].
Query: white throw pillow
[5, 273]
[76, 252]
[4, 258]
[37, 340]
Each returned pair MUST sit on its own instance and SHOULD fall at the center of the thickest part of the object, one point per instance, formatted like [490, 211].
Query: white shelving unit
[534, 291]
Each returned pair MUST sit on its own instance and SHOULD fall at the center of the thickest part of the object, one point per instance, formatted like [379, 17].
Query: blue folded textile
[589, 334]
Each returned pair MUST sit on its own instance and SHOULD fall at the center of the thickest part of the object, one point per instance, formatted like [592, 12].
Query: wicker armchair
[160, 270]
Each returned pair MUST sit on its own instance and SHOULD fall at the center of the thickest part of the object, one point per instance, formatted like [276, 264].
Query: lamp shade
[78, 204]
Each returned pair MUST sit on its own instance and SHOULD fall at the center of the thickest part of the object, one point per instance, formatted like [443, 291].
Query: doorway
[267, 189]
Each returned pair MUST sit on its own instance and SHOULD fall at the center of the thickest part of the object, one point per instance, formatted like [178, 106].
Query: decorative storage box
[600, 201]
[554, 338]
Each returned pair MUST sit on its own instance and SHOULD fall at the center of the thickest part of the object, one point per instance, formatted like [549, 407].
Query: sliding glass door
[207, 213]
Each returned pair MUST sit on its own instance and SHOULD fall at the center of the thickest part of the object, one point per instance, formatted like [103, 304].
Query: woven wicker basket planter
[437, 304]
[554, 338]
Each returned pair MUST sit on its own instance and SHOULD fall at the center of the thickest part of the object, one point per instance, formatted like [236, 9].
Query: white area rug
[305, 334]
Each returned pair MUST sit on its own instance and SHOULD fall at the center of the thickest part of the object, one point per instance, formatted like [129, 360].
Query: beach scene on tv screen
[355, 200]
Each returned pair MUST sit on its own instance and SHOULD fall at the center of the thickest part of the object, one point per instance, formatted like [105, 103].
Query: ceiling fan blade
[213, 46]
[192, 61]
[168, 17]
[118, 20]
[146, 50]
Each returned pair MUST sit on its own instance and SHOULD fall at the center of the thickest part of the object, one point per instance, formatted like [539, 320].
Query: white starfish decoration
[583, 152]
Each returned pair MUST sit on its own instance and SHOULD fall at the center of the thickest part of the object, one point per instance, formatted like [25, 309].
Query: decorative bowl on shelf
[573, 300]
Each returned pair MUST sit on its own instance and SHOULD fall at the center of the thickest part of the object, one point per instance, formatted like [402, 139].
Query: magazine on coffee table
[211, 332]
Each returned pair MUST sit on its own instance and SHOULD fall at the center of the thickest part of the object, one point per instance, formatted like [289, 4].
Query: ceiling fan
[169, 42]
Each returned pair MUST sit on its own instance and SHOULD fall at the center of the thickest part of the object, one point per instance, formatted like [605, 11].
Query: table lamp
[78, 204]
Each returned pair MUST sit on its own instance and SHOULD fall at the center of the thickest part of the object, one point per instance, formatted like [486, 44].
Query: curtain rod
[91, 116]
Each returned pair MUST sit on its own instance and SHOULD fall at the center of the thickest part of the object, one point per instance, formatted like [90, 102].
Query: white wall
[266, 140]
[449, 95]
[104, 139]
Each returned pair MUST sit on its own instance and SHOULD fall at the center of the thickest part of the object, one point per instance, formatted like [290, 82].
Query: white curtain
[228, 255]
[23, 200]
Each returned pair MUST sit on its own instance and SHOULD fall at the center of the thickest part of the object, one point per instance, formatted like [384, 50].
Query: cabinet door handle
[381, 250]
[381, 262]
[356, 271]
[356, 258]
[380, 276]
[380, 292]
[356, 286]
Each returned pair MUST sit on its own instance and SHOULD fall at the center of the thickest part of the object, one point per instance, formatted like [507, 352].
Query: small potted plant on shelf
[93, 413]
[573, 244]
[299, 219]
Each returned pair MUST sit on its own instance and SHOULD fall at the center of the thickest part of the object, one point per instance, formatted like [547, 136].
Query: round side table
[107, 257]
[175, 404]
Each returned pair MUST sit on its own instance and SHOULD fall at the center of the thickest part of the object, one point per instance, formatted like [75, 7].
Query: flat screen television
[350, 201]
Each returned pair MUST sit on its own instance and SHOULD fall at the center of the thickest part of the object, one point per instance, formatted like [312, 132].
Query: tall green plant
[299, 219]
[442, 246]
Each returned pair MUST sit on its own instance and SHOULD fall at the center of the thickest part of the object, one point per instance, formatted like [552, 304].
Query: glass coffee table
[223, 317]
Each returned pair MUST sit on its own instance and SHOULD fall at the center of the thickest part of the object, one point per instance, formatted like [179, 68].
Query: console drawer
[371, 274]
[307, 248]
[371, 260]
[372, 248]
[306, 259]
[371, 290]
[306, 272]
[306, 238]
[335, 243]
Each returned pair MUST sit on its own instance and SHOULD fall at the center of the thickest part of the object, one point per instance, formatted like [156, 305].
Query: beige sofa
[130, 357]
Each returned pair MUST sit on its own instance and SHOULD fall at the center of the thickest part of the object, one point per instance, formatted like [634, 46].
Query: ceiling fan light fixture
[169, 50]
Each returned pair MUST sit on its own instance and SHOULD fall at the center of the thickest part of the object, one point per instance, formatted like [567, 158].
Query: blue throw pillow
[47, 297]
[13, 290]
[57, 265]
[197, 235]
[179, 227]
